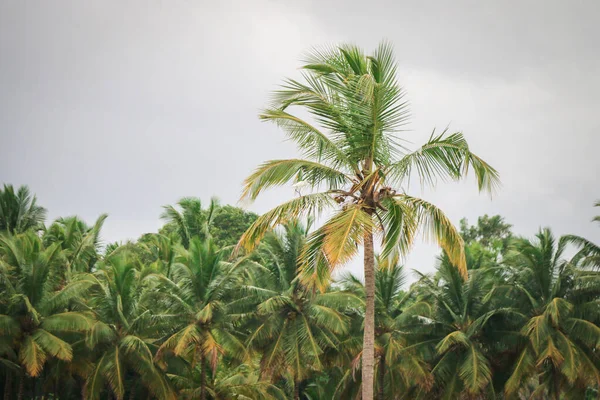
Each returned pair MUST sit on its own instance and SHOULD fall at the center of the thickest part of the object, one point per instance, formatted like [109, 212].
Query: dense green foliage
[164, 317]
[19, 211]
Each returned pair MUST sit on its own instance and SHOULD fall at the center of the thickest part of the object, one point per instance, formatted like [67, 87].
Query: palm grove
[224, 304]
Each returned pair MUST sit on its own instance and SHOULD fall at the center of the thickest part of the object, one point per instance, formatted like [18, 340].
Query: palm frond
[475, 371]
[52, 345]
[435, 225]
[278, 172]
[303, 205]
[32, 356]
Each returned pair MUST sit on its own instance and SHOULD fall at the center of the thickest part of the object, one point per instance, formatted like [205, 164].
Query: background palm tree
[239, 382]
[191, 221]
[354, 154]
[36, 324]
[197, 302]
[588, 255]
[19, 211]
[561, 332]
[125, 332]
[80, 243]
[294, 326]
[159, 251]
[457, 337]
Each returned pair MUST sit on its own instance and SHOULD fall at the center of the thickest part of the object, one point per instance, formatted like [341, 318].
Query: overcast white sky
[125, 106]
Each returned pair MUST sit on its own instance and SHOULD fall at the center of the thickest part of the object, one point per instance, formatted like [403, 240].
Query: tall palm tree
[561, 333]
[353, 152]
[19, 211]
[197, 301]
[36, 324]
[125, 332]
[294, 326]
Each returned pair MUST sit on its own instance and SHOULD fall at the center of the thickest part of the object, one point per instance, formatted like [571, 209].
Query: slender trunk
[368, 353]
[556, 389]
[55, 387]
[202, 379]
[21, 385]
[296, 390]
[7, 384]
[381, 376]
[37, 382]
[132, 392]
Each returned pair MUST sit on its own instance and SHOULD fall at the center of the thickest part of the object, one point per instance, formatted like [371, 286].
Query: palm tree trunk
[37, 382]
[381, 376]
[21, 385]
[202, 378]
[296, 390]
[368, 353]
[132, 392]
[7, 384]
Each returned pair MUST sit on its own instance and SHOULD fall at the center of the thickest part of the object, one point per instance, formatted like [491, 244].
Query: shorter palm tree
[158, 250]
[192, 221]
[294, 326]
[588, 255]
[456, 337]
[561, 333]
[124, 336]
[80, 242]
[196, 300]
[19, 211]
[240, 382]
[36, 324]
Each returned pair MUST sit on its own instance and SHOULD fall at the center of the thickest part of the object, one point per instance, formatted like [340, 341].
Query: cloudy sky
[125, 106]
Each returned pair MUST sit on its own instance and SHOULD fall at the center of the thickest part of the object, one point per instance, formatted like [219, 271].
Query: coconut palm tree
[561, 335]
[588, 255]
[230, 383]
[80, 242]
[36, 324]
[457, 338]
[158, 250]
[294, 326]
[192, 220]
[354, 163]
[19, 211]
[196, 300]
[125, 332]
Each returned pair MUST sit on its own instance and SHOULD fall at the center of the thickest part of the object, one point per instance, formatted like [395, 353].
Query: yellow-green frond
[436, 226]
[32, 356]
[52, 345]
[293, 209]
